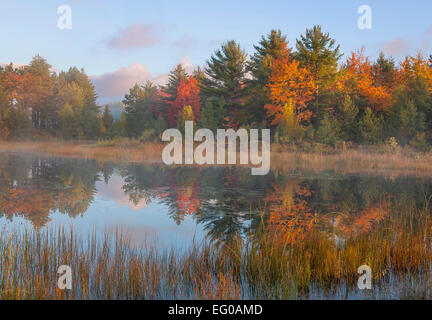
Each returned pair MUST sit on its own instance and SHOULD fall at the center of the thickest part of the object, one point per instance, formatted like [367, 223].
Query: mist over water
[175, 206]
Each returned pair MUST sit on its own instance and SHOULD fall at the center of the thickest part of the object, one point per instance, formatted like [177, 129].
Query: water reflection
[223, 201]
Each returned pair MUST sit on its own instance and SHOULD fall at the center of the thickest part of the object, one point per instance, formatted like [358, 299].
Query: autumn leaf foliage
[414, 67]
[187, 95]
[358, 80]
[291, 84]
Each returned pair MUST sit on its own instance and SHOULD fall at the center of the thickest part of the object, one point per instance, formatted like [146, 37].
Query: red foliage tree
[187, 95]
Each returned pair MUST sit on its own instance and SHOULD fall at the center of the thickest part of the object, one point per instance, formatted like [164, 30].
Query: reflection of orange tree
[363, 221]
[33, 203]
[41, 187]
[289, 211]
[74, 200]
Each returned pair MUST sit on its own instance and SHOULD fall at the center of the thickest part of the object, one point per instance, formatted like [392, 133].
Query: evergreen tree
[225, 73]
[139, 116]
[268, 49]
[175, 77]
[318, 52]
[108, 122]
[328, 130]
[384, 71]
[370, 127]
[213, 113]
[348, 112]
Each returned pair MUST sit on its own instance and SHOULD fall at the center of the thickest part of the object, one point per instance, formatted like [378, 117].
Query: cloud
[115, 84]
[114, 191]
[19, 65]
[112, 86]
[14, 64]
[396, 47]
[136, 36]
[187, 64]
[162, 79]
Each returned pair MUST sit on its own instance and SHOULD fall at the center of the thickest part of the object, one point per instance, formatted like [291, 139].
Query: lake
[178, 206]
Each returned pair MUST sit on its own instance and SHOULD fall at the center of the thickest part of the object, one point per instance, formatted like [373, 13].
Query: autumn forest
[306, 92]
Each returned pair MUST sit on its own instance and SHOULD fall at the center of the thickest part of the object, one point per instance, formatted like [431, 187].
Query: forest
[307, 92]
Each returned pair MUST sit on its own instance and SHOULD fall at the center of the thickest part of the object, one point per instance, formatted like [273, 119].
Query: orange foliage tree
[358, 81]
[289, 84]
[187, 95]
[413, 67]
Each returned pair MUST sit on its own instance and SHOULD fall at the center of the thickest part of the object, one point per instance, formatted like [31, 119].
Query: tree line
[306, 93]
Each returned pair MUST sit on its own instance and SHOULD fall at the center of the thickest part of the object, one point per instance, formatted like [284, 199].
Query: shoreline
[361, 160]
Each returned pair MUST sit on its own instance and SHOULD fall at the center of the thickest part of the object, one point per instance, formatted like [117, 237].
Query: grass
[267, 265]
[113, 150]
[355, 161]
[363, 160]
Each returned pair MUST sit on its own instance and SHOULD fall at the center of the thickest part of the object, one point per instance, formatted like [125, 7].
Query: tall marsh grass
[265, 265]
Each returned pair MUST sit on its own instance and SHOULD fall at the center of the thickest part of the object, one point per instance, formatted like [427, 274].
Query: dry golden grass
[355, 162]
[347, 161]
[265, 266]
[119, 150]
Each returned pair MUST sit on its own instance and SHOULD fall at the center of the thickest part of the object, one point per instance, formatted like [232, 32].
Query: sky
[119, 43]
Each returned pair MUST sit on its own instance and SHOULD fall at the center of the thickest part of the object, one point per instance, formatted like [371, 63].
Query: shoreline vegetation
[383, 160]
[288, 264]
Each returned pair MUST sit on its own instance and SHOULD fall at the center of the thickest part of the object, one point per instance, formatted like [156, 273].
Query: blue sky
[120, 42]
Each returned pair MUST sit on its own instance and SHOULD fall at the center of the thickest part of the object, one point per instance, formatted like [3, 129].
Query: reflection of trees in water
[34, 187]
[230, 199]
[141, 182]
[344, 205]
[225, 200]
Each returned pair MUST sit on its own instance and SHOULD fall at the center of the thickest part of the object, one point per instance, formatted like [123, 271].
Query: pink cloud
[114, 191]
[112, 86]
[396, 47]
[136, 36]
[116, 84]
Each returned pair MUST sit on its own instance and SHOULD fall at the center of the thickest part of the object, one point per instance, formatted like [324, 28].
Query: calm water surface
[175, 206]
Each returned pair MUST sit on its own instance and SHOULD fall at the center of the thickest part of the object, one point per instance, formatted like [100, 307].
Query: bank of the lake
[359, 160]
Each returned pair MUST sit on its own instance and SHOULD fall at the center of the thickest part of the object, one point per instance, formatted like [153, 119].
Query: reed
[265, 265]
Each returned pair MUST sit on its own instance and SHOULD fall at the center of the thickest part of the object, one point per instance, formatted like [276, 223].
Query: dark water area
[175, 206]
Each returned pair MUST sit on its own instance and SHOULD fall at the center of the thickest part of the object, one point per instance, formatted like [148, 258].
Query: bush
[419, 143]
[148, 135]
[328, 131]
[391, 145]
[370, 127]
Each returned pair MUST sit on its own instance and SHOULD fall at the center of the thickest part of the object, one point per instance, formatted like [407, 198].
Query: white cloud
[15, 64]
